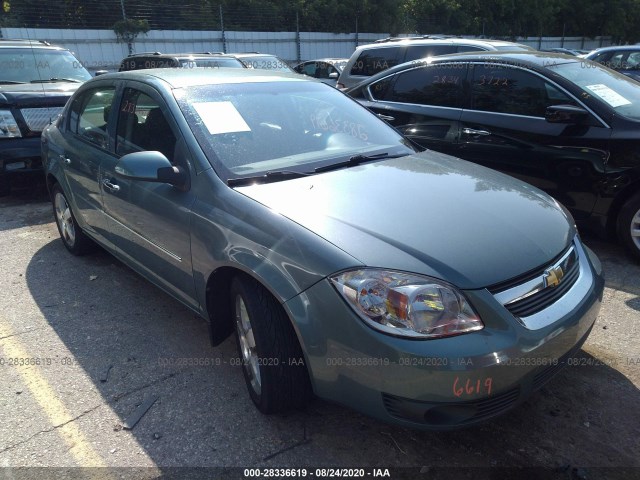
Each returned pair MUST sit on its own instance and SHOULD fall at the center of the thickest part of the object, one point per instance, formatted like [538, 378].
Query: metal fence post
[298, 37]
[357, 39]
[224, 39]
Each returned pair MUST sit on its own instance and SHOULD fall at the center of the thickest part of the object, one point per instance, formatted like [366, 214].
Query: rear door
[87, 143]
[150, 222]
[505, 128]
[424, 103]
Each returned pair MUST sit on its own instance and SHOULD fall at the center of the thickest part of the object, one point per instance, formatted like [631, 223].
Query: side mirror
[150, 167]
[334, 75]
[565, 114]
[100, 72]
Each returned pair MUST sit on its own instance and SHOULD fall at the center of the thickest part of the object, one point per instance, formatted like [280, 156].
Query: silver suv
[370, 59]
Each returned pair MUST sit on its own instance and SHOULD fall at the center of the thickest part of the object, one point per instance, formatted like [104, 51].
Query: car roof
[534, 60]
[427, 41]
[179, 78]
[619, 47]
[22, 43]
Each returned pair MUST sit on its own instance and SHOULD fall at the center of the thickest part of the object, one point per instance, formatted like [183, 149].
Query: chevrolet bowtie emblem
[553, 277]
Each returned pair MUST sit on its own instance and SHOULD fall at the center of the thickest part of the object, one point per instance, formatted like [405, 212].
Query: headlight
[407, 305]
[8, 126]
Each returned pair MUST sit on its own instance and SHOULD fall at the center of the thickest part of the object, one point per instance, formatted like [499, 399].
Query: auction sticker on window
[610, 96]
[221, 117]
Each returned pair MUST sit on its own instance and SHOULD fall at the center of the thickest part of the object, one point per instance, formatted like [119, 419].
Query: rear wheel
[72, 236]
[271, 357]
[629, 225]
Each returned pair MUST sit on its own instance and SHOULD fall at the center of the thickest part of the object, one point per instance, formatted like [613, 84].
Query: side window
[380, 88]
[514, 91]
[142, 126]
[440, 86]
[308, 68]
[416, 52]
[633, 61]
[375, 60]
[469, 48]
[89, 115]
[616, 61]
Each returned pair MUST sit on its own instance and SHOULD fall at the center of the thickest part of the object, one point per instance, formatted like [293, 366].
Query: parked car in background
[417, 288]
[327, 70]
[566, 51]
[623, 59]
[263, 61]
[36, 80]
[141, 61]
[373, 58]
[568, 126]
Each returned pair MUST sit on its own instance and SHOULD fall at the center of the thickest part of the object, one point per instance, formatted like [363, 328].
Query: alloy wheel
[65, 219]
[247, 342]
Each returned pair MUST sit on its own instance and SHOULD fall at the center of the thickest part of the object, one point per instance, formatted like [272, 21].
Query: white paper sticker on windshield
[610, 96]
[221, 117]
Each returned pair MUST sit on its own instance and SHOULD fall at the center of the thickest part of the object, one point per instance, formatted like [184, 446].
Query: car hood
[37, 93]
[427, 213]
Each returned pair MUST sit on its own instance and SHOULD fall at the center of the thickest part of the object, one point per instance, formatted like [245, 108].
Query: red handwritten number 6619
[470, 387]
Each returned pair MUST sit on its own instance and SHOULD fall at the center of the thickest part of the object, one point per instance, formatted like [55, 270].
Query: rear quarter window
[375, 60]
[415, 52]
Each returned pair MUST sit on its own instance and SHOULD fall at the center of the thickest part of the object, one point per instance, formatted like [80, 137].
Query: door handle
[471, 131]
[386, 118]
[112, 187]
[66, 160]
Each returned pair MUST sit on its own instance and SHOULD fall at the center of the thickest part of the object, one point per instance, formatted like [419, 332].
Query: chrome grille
[532, 294]
[37, 119]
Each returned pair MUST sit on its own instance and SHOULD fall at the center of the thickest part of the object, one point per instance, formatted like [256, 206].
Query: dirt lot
[107, 341]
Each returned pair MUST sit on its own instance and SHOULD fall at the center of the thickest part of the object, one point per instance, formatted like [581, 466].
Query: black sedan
[624, 59]
[568, 126]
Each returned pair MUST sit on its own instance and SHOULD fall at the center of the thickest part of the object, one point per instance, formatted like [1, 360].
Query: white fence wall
[99, 49]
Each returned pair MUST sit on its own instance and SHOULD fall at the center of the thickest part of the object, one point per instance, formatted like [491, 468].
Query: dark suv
[141, 61]
[36, 80]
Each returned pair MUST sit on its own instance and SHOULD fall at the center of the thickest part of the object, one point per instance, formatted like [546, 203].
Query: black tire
[628, 220]
[283, 380]
[71, 234]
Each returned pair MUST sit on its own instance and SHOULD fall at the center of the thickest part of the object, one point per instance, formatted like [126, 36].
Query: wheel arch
[617, 204]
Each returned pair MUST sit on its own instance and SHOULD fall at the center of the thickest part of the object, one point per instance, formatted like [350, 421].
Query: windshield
[211, 63]
[616, 90]
[516, 48]
[26, 65]
[252, 128]
[267, 62]
[340, 65]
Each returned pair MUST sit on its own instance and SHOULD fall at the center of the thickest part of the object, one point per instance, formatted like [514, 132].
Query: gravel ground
[108, 341]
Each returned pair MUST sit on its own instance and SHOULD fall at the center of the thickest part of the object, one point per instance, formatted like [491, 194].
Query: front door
[151, 221]
[505, 128]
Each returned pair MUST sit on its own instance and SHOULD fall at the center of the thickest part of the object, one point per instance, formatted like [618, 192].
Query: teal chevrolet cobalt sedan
[417, 288]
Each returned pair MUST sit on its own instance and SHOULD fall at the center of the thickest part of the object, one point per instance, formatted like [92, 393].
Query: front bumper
[20, 156]
[443, 383]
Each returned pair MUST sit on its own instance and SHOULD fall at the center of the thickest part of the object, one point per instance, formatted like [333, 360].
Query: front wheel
[629, 225]
[72, 236]
[272, 361]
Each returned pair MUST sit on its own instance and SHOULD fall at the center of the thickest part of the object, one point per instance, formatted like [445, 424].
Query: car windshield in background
[340, 65]
[263, 62]
[37, 65]
[253, 128]
[616, 90]
[211, 63]
[514, 48]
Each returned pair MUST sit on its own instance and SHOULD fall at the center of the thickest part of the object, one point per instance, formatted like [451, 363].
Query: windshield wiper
[54, 79]
[357, 160]
[270, 176]
[10, 82]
